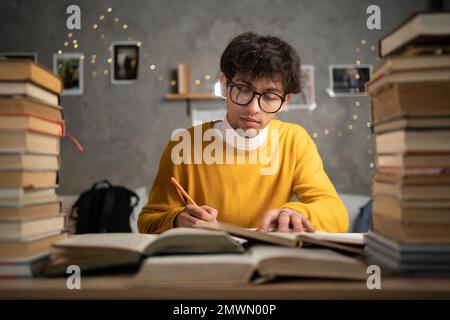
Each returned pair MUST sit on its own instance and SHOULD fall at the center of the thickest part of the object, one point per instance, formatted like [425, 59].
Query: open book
[104, 250]
[347, 242]
[260, 262]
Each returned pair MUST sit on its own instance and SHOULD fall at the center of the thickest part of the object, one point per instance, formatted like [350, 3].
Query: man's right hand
[192, 214]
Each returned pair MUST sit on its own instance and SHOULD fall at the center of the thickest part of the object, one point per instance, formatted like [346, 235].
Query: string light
[207, 77]
[355, 117]
[105, 72]
[363, 41]
[368, 124]
[66, 44]
[95, 26]
[75, 41]
[125, 26]
[101, 17]
[357, 103]
[94, 73]
[109, 10]
[358, 62]
[371, 165]
[75, 45]
[197, 82]
[326, 131]
[372, 47]
[70, 35]
[350, 127]
[357, 76]
[315, 134]
[116, 19]
[102, 36]
[173, 83]
[339, 134]
[152, 67]
[109, 60]
[138, 44]
[82, 57]
[59, 51]
[357, 49]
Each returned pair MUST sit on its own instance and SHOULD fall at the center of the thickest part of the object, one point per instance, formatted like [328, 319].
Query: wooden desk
[118, 287]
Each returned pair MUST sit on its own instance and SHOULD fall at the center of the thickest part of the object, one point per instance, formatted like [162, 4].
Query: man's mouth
[250, 122]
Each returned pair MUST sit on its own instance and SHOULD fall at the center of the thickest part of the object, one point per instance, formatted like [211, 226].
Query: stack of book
[31, 124]
[410, 94]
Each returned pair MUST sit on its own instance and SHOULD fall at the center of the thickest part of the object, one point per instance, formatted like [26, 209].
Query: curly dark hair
[255, 56]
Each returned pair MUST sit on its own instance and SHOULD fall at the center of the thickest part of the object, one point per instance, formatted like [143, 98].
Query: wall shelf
[191, 96]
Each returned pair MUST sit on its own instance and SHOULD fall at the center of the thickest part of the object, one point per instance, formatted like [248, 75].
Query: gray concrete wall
[124, 128]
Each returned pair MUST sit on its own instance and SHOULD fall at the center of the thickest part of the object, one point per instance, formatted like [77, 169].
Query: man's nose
[253, 106]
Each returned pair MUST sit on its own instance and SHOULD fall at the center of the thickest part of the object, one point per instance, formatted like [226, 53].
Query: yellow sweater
[240, 192]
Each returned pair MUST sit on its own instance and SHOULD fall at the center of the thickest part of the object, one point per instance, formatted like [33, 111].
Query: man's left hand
[284, 220]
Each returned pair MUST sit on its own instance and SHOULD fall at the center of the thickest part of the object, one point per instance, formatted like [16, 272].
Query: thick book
[25, 70]
[99, 251]
[24, 268]
[33, 123]
[412, 191]
[26, 161]
[18, 229]
[27, 211]
[407, 258]
[28, 105]
[404, 141]
[28, 179]
[28, 89]
[30, 246]
[413, 123]
[14, 197]
[412, 179]
[414, 211]
[421, 28]
[407, 64]
[408, 232]
[347, 242]
[260, 262]
[411, 99]
[414, 76]
[415, 162]
[28, 142]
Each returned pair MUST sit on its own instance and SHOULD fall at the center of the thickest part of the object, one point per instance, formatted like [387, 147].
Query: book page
[346, 238]
[135, 242]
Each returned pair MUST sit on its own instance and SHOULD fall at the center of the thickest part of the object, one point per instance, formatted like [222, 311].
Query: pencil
[183, 192]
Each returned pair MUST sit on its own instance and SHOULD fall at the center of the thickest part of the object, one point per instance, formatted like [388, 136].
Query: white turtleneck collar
[234, 139]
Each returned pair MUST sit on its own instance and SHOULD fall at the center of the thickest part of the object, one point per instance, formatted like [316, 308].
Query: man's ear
[286, 102]
[223, 84]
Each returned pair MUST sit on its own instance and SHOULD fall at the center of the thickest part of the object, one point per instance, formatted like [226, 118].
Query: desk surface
[119, 287]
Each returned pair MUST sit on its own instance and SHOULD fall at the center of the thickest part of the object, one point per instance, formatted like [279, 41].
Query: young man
[244, 170]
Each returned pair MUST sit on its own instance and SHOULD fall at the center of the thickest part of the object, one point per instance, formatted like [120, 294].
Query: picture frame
[125, 62]
[33, 56]
[70, 67]
[348, 80]
[306, 99]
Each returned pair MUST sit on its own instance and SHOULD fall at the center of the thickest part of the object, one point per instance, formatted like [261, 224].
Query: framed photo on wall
[306, 99]
[125, 62]
[69, 66]
[348, 80]
[19, 55]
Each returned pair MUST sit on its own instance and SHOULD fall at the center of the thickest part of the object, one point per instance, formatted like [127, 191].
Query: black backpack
[104, 208]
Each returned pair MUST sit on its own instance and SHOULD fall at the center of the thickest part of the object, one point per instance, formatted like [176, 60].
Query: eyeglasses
[242, 95]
